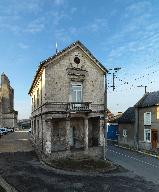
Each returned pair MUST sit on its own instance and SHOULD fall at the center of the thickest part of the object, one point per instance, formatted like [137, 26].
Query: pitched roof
[62, 51]
[149, 100]
[128, 116]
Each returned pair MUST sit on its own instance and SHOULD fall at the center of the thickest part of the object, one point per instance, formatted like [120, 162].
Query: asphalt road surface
[22, 169]
[14, 142]
[138, 163]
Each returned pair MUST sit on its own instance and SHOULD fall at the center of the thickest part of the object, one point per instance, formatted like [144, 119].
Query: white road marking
[141, 161]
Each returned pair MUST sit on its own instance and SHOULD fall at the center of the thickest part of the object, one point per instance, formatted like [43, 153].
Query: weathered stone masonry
[68, 104]
[8, 116]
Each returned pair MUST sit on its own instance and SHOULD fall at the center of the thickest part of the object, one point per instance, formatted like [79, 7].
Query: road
[14, 142]
[140, 164]
[22, 169]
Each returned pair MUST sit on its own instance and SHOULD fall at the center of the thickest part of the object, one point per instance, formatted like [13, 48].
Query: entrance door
[154, 138]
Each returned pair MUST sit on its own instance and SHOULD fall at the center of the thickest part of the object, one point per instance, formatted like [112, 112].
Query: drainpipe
[105, 118]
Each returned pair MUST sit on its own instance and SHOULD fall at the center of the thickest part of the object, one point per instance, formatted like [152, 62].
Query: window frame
[146, 120]
[157, 112]
[37, 94]
[145, 137]
[34, 102]
[125, 133]
[77, 91]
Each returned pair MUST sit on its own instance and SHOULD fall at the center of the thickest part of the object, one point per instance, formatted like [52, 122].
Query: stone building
[67, 95]
[8, 116]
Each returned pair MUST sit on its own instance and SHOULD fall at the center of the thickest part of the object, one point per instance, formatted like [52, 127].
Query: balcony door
[76, 93]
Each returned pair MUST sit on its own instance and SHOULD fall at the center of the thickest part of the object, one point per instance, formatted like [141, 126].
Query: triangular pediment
[63, 52]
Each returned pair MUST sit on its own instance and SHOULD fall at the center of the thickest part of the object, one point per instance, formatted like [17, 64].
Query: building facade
[147, 121]
[139, 125]
[68, 94]
[126, 127]
[8, 116]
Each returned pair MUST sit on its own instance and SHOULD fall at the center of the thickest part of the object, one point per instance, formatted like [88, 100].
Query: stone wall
[52, 86]
[93, 134]
[38, 93]
[9, 120]
[130, 139]
[77, 131]
[7, 95]
[93, 153]
[59, 135]
[58, 82]
[8, 116]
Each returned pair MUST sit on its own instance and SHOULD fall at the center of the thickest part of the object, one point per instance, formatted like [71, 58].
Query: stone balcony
[72, 106]
[61, 107]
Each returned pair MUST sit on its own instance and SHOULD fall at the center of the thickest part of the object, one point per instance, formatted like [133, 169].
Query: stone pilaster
[68, 134]
[86, 133]
[48, 127]
[101, 132]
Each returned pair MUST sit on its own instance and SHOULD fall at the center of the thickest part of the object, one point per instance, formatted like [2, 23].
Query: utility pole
[105, 144]
[145, 86]
[115, 70]
[113, 82]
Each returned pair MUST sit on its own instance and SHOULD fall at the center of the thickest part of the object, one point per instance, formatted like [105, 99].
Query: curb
[7, 186]
[142, 152]
[78, 172]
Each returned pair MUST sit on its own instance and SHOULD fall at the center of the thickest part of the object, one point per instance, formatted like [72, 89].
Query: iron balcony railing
[77, 106]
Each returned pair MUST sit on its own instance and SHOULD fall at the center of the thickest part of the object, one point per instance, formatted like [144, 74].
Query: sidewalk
[7, 187]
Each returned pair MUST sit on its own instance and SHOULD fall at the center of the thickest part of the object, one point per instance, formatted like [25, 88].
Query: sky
[119, 33]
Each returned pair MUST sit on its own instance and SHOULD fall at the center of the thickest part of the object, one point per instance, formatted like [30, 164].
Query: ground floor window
[125, 133]
[147, 135]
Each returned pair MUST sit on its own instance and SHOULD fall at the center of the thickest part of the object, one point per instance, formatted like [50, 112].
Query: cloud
[12, 18]
[62, 35]
[73, 32]
[99, 24]
[138, 8]
[36, 25]
[19, 7]
[23, 45]
[9, 23]
[59, 2]
[73, 10]
[138, 35]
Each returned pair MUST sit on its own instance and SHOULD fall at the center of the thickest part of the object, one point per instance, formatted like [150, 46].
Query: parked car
[29, 130]
[4, 130]
[1, 133]
[10, 129]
